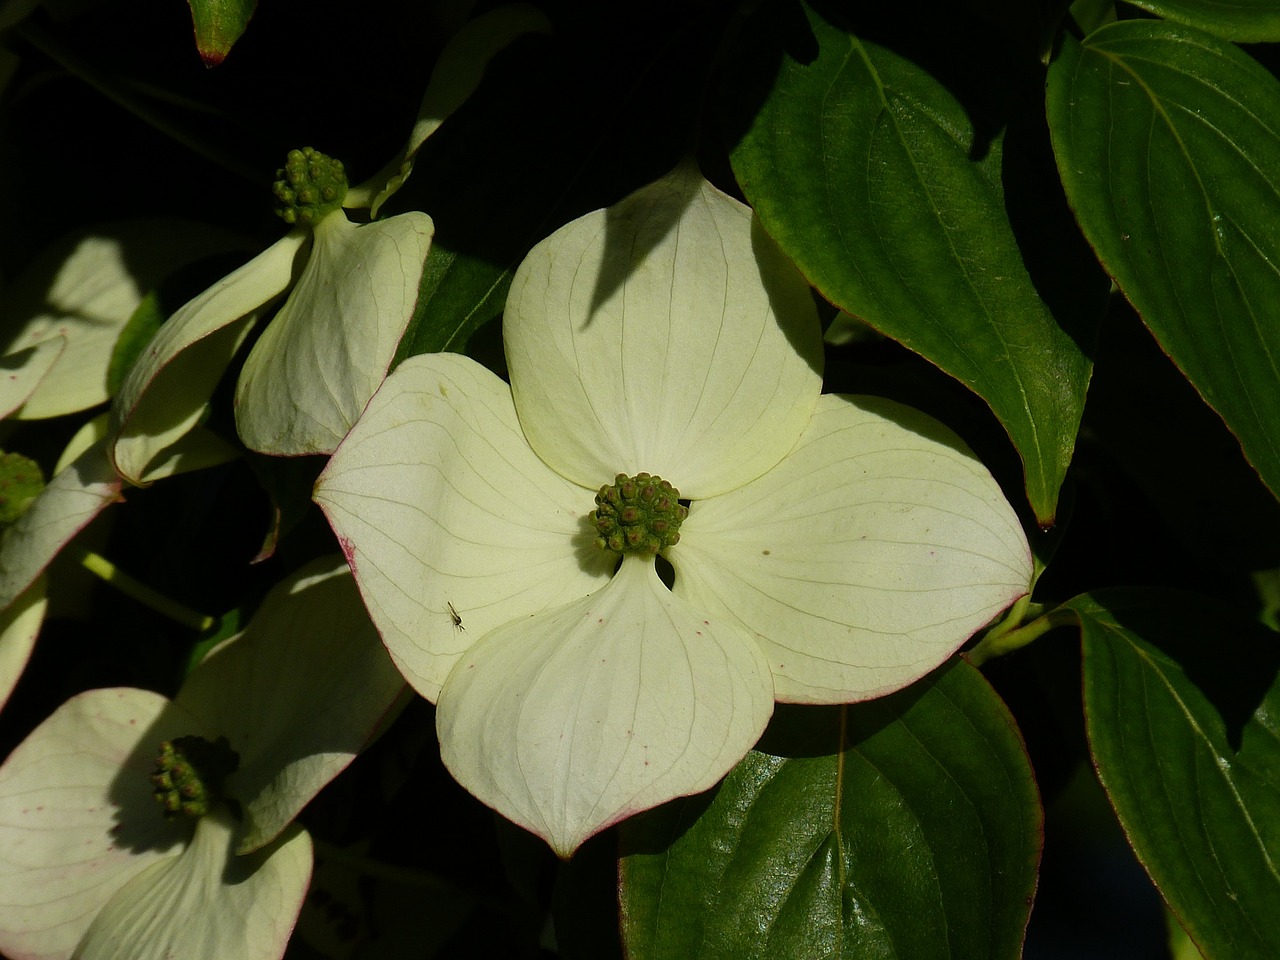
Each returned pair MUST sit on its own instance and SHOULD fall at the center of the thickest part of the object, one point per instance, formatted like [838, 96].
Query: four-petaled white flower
[89, 865]
[836, 548]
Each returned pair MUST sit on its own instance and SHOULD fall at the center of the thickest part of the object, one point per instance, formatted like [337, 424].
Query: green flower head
[309, 187]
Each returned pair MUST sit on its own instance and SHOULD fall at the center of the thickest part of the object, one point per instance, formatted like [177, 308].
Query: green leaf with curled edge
[1170, 155]
[907, 826]
[218, 25]
[1182, 706]
[1251, 21]
[877, 184]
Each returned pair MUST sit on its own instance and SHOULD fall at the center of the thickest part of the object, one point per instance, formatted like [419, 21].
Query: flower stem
[1012, 634]
[107, 571]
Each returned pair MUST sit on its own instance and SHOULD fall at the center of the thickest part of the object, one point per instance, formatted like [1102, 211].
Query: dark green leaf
[288, 483]
[1090, 15]
[1249, 20]
[871, 177]
[1168, 147]
[903, 827]
[218, 25]
[1183, 712]
[458, 294]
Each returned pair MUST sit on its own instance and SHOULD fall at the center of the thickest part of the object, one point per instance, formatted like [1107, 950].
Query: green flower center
[309, 187]
[189, 774]
[640, 514]
[20, 482]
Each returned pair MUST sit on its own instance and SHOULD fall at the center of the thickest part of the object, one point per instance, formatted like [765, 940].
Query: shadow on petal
[633, 230]
[140, 824]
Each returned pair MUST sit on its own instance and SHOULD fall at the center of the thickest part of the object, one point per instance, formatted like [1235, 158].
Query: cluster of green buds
[640, 514]
[309, 187]
[189, 774]
[20, 482]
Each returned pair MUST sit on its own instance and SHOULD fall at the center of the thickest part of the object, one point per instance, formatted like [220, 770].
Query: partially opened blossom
[92, 866]
[663, 356]
[349, 293]
[351, 289]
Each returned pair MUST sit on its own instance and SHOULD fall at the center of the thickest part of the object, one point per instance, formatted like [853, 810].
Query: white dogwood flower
[351, 290]
[835, 548]
[91, 866]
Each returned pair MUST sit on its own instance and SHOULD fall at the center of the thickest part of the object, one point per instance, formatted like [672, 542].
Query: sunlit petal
[574, 719]
[22, 370]
[84, 289]
[20, 624]
[665, 334]
[319, 360]
[196, 450]
[206, 903]
[166, 391]
[442, 507]
[864, 559]
[77, 819]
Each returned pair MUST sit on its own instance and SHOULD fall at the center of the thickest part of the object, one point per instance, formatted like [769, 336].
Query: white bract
[61, 318]
[836, 548]
[351, 291]
[89, 865]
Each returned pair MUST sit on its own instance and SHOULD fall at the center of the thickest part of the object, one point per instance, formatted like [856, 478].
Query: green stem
[103, 568]
[1010, 634]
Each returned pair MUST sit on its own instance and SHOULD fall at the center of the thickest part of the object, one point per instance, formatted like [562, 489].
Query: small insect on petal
[453, 615]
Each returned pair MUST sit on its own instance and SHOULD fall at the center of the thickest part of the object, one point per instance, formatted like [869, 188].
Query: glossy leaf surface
[871, 177]
[1169, 149]
[1249, 20]
[907, 826]
[1182, 701]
